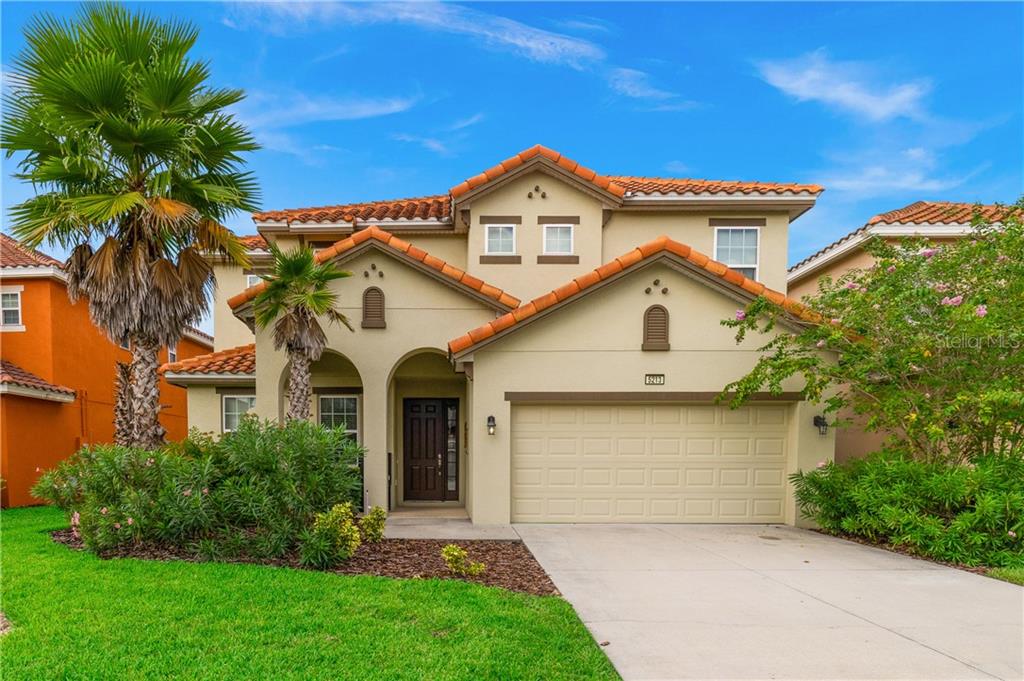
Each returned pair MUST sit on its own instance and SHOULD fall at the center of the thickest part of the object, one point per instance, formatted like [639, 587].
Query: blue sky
[882, 103]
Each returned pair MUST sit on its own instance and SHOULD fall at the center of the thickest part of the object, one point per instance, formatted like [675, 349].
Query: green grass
[75, 616]
[1015, 575]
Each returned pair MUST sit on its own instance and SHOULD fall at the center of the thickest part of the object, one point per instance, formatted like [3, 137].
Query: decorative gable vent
[373, 308]
[655, 328]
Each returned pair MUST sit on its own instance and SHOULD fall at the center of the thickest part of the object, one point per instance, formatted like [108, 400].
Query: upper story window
[172, 352]
[234, 407]
[501, 240]
[558, 240]
[737, 248]
[10, 308]
[251, 280]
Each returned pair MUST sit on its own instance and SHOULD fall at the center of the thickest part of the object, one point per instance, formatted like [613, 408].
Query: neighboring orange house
[57, 373]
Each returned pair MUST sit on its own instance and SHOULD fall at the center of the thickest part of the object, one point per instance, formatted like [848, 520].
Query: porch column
[375, 439]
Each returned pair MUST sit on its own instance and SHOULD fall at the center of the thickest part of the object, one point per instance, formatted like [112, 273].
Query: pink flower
[1012, 534]
[187, 493]
[981, 310]
[130, 521]
[952, 302]
[740, 315]
[117, 526]
[929, 252]
[103, 511]
[941, 288]
[820, 344]
[850, 285]
[890, 269]
[206, 490]
[822, 464]
[1002, 258]
[836, 321]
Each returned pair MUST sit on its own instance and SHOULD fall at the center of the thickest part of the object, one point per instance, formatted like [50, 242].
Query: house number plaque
[654, 379]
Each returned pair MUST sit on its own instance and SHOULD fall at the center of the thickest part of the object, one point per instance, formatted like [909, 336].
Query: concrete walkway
[759, 602]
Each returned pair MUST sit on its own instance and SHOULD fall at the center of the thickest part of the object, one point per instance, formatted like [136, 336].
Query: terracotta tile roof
[13, 254]
[537, 150]
[651, 249]
[12, 374]
[402, 247]
[254, 242]
[199, 335]
[420, 208]
[666, 185]
[942, 213]
[240, 360]
[917, 213]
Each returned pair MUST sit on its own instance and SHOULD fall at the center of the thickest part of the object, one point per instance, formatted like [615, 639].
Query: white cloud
[584, 23]
[677, 167]
[463, 123]
[268, 110]
[848, 86]
[429, 143]
[330, 54]
[885, 171]
[634, 83]
[534, 43]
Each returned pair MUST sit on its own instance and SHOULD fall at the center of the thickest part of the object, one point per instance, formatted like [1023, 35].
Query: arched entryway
[337, 393]
[428, 405]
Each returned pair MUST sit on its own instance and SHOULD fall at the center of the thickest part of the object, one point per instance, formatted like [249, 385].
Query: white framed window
[172, 352]
[340, 411]
[233, 408]
[558, 239]
[10, 308]
[500, 240]
[737, 248]
[251, 280]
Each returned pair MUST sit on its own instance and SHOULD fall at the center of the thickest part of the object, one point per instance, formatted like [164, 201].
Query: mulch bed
[510, 565]
[905, 551]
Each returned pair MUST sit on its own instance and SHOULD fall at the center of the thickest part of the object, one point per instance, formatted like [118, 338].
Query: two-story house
[542, 343]
[57, 372]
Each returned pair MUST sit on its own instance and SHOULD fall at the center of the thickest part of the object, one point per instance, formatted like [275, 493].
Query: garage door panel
[657, 463]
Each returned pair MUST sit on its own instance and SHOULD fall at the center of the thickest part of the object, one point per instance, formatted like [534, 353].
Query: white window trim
[224, 411]
[248, 277]
[487, 240]
[20, 326]
[172, 349]
[757, 265]
[572, 238]
[359, 410]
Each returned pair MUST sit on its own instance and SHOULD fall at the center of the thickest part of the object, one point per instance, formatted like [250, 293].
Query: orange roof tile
[419, 208]
[403, 247]
[537, 150]
[667, 185]
[623, 263]
[254, 242]
[13, 254]
[12, 374]
[240, 360]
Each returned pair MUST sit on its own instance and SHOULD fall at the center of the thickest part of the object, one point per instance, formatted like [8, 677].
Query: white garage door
[648, 463]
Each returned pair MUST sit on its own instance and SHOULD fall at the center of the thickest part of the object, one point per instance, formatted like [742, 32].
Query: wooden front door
[430, 446]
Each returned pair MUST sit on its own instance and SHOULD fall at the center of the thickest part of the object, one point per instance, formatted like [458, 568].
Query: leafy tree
[136, 165]
[294, 296]
[926, 344]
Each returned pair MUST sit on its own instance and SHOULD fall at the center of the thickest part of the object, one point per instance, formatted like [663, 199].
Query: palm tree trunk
[147, 431]
[124, 424]
[300, 388]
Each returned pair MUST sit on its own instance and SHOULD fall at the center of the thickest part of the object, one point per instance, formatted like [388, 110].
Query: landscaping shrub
[457, 560]
[333, 538]
[371, 525]
[250, 493]
[970, 514]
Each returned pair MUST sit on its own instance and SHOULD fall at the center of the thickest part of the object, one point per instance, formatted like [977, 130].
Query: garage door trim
[640, 396]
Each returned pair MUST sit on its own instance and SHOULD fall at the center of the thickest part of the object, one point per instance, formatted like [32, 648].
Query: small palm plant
[136, 164]
[293, 299]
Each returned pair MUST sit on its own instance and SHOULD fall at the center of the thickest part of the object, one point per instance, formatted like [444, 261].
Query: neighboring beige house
[592, 403]
[938, 221]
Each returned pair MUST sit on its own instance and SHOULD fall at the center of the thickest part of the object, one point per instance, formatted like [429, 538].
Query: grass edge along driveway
[76, 616]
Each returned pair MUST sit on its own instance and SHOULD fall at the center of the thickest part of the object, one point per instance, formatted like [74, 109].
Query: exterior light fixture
[821, 424]
[491, 423]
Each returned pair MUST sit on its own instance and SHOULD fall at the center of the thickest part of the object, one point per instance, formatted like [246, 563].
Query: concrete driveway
[775, 602]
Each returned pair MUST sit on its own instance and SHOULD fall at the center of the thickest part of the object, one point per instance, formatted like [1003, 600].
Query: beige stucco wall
[628, 229]
[204, 409]
[422, 314]
[594, 345]
[228, 330]
[855, 259]
[450, 248]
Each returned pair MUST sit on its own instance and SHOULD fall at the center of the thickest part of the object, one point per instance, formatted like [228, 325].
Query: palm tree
[293, 297]
[136, 166]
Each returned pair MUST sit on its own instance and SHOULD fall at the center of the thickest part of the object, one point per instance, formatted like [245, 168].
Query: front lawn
[1015, 575]
[76, 616]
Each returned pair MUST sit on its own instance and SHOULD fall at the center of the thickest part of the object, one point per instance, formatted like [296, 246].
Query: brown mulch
[510, 565]
[5, 624]
[904, 551]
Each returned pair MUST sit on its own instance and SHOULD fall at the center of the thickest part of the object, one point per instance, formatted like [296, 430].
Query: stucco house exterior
[542, 343]
[937, 221]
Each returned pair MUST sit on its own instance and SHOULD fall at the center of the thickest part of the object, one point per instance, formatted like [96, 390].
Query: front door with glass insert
[431, 449]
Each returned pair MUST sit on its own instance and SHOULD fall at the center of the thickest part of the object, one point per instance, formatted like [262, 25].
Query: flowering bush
[371, 525]
[333, 538]
[971, 514]
[458, 562]
[250, 493]
[927, 345]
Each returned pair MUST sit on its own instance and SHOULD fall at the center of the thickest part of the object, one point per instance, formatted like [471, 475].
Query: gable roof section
[14, 254]
[236, 361]
[430, 208]
[17, 381]
[254, 242]
[925, 218]
[405, 251]
[660, 247]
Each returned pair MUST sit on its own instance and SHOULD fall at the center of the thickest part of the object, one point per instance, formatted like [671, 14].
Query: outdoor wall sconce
[821, 424]
[491, 423]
